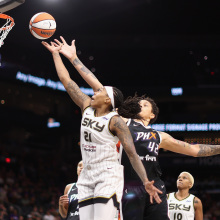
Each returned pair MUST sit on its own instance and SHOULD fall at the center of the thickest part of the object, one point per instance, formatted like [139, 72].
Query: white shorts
[100, 182]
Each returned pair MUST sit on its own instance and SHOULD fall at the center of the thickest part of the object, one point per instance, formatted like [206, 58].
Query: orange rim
[3, 16]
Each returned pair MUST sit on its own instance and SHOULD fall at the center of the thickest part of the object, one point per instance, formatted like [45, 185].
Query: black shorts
[136, 203]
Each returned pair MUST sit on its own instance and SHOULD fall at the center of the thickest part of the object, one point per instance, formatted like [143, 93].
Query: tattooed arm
[69, 51]
[86, 74]
[120, 129]
[81, 99]
[195, 150]
[198, 209]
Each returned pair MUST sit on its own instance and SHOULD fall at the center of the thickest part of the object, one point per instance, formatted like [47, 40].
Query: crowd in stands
[31, 183]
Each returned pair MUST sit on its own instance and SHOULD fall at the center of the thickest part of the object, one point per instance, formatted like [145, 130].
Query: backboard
[6, 5]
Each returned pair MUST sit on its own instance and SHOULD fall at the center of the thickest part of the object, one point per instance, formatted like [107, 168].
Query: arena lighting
[8, 160]
[176, 91]
[51, 123]
[42, 82]
[187, 127]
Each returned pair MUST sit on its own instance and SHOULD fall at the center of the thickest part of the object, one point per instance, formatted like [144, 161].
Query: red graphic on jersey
[153, 135]
[118, 146]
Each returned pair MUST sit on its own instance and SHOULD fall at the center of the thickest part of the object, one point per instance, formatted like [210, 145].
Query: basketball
[42, 25]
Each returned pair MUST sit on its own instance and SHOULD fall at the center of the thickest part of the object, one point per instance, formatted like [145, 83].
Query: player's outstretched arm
[81, 99]
[69, 51]
[120, 129]
[195, 150]
[198, 209]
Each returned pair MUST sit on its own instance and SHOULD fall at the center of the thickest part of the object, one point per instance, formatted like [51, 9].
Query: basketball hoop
[4, 30]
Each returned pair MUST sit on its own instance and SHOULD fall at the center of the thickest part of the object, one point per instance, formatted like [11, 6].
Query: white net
[5, 29]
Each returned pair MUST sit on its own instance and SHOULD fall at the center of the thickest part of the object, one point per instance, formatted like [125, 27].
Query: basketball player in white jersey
[181, 204]
[100, 185]
[68, 203]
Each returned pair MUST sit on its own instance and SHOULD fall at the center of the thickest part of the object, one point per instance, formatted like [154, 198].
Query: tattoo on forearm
[75, 93]
[83, 68]
[184, 144]
[208, 150]
[93, 76]
[77, 62]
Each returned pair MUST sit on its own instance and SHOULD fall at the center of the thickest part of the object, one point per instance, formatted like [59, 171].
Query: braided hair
[118, 97]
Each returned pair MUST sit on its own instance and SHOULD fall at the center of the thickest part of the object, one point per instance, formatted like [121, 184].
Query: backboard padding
[6, 5]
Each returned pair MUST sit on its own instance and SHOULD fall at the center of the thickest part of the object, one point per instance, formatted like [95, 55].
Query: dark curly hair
[130, 108]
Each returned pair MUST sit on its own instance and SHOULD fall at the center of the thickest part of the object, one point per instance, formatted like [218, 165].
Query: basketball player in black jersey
[135, 203]
[144, 111]
[68, 203]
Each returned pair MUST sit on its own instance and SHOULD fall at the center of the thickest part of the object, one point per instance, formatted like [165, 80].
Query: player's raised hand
[52, 47]
[152, 191]
[69, 51]
[64, 201]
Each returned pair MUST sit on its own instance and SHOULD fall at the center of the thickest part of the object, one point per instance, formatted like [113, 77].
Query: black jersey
[73, 209]
[146, 141]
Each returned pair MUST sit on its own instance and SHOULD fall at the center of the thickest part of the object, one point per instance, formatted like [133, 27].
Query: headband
[110, 93]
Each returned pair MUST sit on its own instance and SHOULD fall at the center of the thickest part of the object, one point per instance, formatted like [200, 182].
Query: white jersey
[181, 209]
[98, 144]
[102, 175]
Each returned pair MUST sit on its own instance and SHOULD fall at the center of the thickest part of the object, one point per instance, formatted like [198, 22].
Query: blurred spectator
[35, 213]
[48, 216]
[13, 213]
[3, 193]
[3, 211]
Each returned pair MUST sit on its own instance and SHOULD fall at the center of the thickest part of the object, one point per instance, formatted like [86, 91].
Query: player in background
[68, 202]
[181, 204]
[100, 184]
[135, 202]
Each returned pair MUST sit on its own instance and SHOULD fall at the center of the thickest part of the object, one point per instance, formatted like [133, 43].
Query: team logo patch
[87, 122]
[142, 136]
